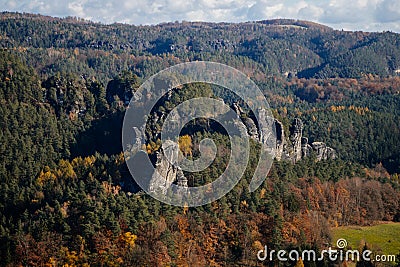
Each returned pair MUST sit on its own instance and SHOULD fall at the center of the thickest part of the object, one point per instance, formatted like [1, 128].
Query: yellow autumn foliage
[152, 147]
[45, 175]
[65, 170]
[185, 145]
[129, 239]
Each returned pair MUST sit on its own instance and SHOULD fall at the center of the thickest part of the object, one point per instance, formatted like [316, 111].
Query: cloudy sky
[367, 15]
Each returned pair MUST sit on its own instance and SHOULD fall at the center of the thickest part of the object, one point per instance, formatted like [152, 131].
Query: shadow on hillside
[104, 137]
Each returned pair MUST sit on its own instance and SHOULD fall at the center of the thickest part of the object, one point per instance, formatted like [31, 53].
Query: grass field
[383, 237]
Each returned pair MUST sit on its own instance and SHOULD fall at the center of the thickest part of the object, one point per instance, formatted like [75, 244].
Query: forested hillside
[66, 195]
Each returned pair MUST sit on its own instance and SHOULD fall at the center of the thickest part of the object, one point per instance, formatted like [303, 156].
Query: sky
[365, 15]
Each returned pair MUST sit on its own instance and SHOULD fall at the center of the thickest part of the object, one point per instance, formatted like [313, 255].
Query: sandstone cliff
[291, 146]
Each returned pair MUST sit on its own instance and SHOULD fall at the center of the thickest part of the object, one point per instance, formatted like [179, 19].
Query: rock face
[251, 128]
[299, 147]
[166, 172]
[296, 134]
[322, 151]
[292, 147]
[181, 180]
[306, 149]
[139, 137]
[280, 140]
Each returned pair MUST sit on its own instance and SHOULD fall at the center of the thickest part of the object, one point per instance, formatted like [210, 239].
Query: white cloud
[344, 11]
[388, 11]
[265, 9]
[310, 11]
[77, 8]
[347, 14]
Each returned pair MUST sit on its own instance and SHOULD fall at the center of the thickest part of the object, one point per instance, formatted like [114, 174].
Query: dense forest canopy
[67, 198]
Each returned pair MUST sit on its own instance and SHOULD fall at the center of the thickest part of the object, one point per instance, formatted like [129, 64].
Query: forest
[67, 197]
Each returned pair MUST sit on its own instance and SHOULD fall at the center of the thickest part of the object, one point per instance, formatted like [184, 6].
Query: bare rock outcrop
[280, 140]
[292, 147]
[166, 172]
[251, 128]
[306, 148]
[250, 124]
[296, 134]
[322, 151]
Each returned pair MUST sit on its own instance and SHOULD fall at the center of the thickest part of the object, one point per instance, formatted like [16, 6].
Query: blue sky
[367, 15]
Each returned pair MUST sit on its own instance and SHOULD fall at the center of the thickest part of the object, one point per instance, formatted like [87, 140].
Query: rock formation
[306, 149]
[291, 147]
[251, 128]
[280, 140]
[296, 147]
[322, 151]
[166, 172]
[139, 137]
[181, 180]
[296, 134]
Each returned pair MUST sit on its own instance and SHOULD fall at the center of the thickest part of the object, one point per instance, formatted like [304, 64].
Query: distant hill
[280, 46]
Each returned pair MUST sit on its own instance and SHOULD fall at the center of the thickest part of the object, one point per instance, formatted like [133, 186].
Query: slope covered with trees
[67, 198]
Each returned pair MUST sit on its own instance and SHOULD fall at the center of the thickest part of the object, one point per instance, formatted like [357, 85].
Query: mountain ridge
[280, 46]
[276, 21]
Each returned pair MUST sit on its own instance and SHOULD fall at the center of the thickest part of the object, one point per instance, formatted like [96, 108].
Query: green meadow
[384, 238]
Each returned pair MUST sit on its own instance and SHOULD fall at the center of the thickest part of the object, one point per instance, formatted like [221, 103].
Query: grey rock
[306, 148]
[139, 137]
[330, 153]
[292, 147]
[166, 173]
[181, 180]
[280, 140]
[237, 108]
[322, 151]
[265, 123]
[296, 147]
[296, 134]
[251, 128]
